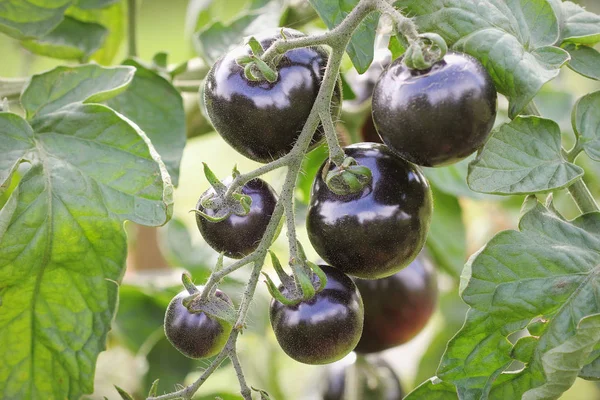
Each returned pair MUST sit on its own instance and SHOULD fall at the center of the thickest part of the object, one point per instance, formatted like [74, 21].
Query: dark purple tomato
[238, 236]
[195, 335]
[376, 380]
[378, 231]
[323, 329]
[262, 120]
[398, 307]
[436, 116]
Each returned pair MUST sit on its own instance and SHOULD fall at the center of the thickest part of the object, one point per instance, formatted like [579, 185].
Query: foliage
[86, 147]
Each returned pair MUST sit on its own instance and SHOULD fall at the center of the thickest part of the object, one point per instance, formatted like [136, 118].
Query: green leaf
[23, 19]
[198, 259]
[578, 25]
[62, 86]
[446, 240]
[17, 140]
[433, 389]
[93, 4]
[361, 46]
[584, 60]
[396, 47]
[591, 371]
[310, 165]
[452, 179]
[124, 395]
[61, 232]
[512, 38]
[521, 157]
[157, 108]
[113, 19]
[586, 123]
[70, 40]
[550, 268]
[218, 38]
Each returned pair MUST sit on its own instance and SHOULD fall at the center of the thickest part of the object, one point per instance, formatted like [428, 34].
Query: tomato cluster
[380, 289]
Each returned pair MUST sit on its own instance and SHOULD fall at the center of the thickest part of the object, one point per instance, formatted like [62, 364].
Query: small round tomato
[378, 231]
[237, 236]
[376, 380]
[195, 335]
[262, 120]
[323, 329]
[397, 307]
[436, 116]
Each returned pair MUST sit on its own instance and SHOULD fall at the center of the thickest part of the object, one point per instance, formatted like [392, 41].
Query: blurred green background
[138, 352]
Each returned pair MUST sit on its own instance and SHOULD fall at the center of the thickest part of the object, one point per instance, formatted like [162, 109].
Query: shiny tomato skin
[323, 329]
[398, 307]
[262, 120]
[195, 335]
[437, 116]
[378, 231]
[238, 236]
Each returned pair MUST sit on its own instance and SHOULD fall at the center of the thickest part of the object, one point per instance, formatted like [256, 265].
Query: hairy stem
[403, 25]
[578, 190]
[244, 389]
[131, 28]
[336, 153]
[338, 39]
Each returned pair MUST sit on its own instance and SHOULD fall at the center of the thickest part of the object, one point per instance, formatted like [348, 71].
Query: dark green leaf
[578, 25]
[219, 38]
[347, 92]
[361, 47]
[591, 371]
[524, 348]
[17, 141]
[584, 60]
[446, 240]
[433, 389]
[61, 238]
[113, 19]
[586, 123]
[92, 4]
[155, 106]
[70, 40]
[23, 19]
[521, 157]
[62, 86]
[551, 267]
[513, 39]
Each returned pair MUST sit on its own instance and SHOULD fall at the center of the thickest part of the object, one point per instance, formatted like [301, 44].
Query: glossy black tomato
[262, 120]
[323, 329]
[376, 380]
[398, 307]
[380, 230]
[436, 116]
[237, 236]
[195, 335]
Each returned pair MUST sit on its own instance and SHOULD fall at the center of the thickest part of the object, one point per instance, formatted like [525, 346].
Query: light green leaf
[521, 157]
[569, 356]
[113, 19]
[361, 46]
[157, 108]
[586, 123]
[62, 242]
[23, 19]
[512, 38]
[584, 60]
[433, 389]
[578, 25]
[218, 38]
[93, 4]
[446, 241]
[17, 140]
[70, 40]
[549, 268]
[62, 86]
[452, 179]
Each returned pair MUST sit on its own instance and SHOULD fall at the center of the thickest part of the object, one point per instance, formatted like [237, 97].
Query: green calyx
[255, 69]
[307, 280]
[347, 178]
[426, 51]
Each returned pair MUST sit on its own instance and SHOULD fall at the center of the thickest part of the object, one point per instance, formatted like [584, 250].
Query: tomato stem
[131, 28]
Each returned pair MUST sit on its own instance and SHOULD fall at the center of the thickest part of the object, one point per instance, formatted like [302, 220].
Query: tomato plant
[103, 135]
